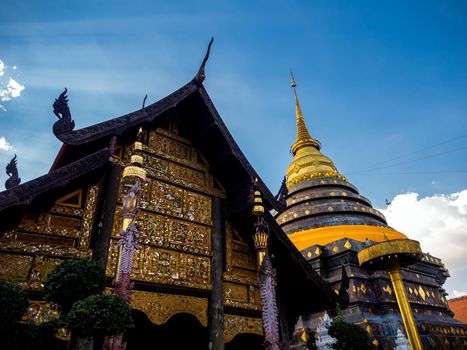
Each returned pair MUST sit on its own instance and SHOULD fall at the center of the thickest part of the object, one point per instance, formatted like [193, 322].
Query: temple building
[215, 260]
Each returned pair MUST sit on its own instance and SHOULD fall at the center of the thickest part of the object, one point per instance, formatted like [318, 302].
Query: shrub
[99, 315]
[349, 336]
[74, 280]
[14, 304]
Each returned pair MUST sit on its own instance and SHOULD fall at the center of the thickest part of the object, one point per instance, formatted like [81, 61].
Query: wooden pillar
[216, 299]
[105, 218]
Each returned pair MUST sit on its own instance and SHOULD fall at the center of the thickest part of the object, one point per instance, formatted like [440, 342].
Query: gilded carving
[159, 265]
[68, 211]
[175, 173]
[164, 231]
[175, 201]
[173, 233]
[169, 147]
[14, 266]
[73, 224]
[43, 249]
[160, 307]
[236, 292]
[41, 311]
[88, 217]
[240, 278]
[234, 325]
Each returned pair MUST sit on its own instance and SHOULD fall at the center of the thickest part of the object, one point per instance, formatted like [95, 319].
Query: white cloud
[9, 87]
[438, 222]
[5, 145]
[458, 294]
[10, 90]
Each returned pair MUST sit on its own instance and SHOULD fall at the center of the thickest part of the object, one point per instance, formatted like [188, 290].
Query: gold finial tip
[140, 130]
[292, 79]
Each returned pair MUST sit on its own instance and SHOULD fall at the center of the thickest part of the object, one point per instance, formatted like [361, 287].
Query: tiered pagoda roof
[321, 205]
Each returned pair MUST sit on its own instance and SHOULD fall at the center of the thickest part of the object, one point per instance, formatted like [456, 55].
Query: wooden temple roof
[78, 156]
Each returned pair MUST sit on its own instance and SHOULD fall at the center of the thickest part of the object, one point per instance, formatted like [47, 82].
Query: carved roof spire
[308, 162]
[303, 135]
[200, 76]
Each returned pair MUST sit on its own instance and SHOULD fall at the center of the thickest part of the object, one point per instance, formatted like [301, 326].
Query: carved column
[132, 176]
[216, 299]
[108, 203]
[266, 277]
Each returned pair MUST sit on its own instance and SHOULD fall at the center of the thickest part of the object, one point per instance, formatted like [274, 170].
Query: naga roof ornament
[200, 76]
[12, 172]
[64, 123]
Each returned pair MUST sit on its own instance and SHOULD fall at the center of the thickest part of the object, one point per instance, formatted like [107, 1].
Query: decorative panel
[169, 147]
[15, 267]
[175, 201]
[241, 288]
[176, 173]
[160, 307]
[42, 240]
[164, 266]
[234, 325]
[41, 311]
[173, 233]
[236, 292]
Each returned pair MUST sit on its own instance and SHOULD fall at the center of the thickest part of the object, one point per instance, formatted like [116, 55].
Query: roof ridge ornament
[303, 135]
[200, 76]
[12, 172]
[64, 123]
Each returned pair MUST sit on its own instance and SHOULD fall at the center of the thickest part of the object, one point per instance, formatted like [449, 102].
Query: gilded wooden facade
[43, 239]
[176, 222]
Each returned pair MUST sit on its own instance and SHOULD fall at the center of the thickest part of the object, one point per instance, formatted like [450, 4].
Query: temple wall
[44, 238]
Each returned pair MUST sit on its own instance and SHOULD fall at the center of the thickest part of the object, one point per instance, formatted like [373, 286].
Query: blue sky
[382, 84]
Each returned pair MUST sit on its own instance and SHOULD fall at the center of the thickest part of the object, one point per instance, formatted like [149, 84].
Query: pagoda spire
[303, 135]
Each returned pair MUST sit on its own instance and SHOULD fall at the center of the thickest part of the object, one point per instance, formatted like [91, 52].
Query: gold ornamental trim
[234, 325]
[137, 146]
[310, 176]
[325, 235]
[136, 159]
[134, 171]
[389, 248]
[161, 307]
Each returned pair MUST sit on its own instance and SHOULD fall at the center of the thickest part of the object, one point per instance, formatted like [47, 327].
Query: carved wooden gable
[175, 220]
[45, 238]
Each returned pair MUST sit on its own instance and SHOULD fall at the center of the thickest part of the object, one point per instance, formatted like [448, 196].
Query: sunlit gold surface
[136, 159]
[308, 161]
[388, 255]
[160, 307]
[324, 235]
[234, 325]
[390, 250]
[134, 171]
[303, 135]
[261, 255]
[404, 307]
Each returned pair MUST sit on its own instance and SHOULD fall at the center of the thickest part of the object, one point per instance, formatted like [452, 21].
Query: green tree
[74, 280]
[99, 316]
[349, 336]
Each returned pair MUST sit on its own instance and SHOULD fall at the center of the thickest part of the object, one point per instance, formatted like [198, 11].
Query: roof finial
[12, 172]
[303, 135]
[200, 76]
